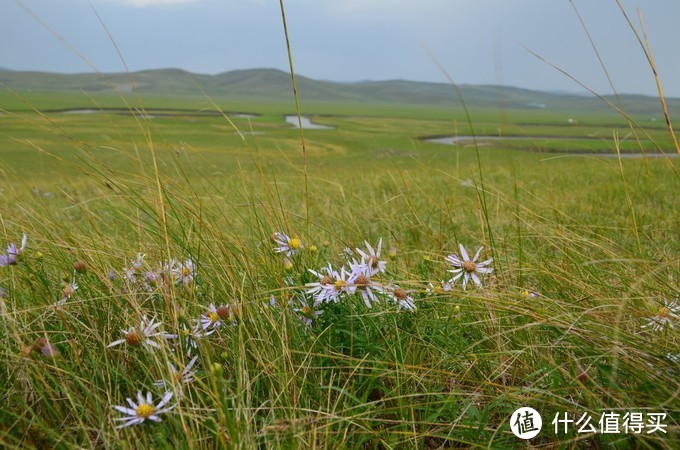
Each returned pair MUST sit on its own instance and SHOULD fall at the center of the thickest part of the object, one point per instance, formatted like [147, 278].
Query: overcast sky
[476, 41]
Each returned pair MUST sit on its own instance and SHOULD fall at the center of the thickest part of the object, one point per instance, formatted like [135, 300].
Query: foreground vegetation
[585, 265]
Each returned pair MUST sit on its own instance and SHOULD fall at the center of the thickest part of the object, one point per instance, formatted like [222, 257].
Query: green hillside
[275, 85]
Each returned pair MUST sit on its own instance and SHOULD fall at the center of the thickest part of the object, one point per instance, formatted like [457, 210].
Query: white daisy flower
[401, 297]
[468, 268]
[189, 336]
[372, 258]
[142, 335]
[341, 286]
[286, 244]
[135, 267]
[142, 410]
[440, 288]
[66, 294]
[215, 317]
[319, 289]
[185, 376]
[307, 313]
[186, 272]
[664, 318]
[360, 278]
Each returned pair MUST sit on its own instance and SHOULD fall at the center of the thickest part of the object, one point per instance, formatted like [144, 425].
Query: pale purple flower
[143, 409]
[215, 317]
[13, 253]
[287, 245]
[189, 336]
[401, 297]
[441, 287]
[372, 258]
[468, 268]
[142, 335]
[185, 376]
[360, 279]
[135, 267]
[186, 272]
[307, 313]
[664, 317]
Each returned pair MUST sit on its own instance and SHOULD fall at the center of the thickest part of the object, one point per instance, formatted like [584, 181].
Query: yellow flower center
[186, 271]
[294, 243]
[214, 317]
[469, 266]
[339, 284]
[665, 312]
[145, 410]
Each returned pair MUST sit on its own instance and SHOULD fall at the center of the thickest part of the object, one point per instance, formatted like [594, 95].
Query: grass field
[585, 265]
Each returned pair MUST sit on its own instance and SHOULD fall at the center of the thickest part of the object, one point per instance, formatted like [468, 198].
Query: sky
[474, 41]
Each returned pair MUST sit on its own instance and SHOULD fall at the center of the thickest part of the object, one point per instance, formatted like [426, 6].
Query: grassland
[595, 240]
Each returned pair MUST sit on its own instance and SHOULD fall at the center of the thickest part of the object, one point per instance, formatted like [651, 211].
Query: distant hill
[275, 85]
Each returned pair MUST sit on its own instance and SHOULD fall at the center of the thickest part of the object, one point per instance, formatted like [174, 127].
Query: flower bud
[216, 369]
[80, 266]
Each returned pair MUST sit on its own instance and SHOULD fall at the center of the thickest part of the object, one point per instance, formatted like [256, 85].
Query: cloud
[145, 3]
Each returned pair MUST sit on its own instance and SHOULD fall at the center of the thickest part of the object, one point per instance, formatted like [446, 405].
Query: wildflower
[144, 409]
[185, 272]
[189, 336]
[46, 349]
[360, 278]
[214, 317]
[347, 254]
[185, 376]
[340, 286]
[673, 357]
[440, 288]
[13, 253]
[131, 272]
[307, 313]
[468, 268]
[80, 266]
[66, 294]
[141, 336]
[320, 289]
[664, 317]
[401, 297]
[216, 369]
[286, 244]
[528, 294]
[170, 270]
[372, 258]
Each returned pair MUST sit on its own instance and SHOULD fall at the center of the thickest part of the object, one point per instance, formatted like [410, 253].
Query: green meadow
[578, 317]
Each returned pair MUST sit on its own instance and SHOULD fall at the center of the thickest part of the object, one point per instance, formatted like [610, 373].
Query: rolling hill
[275, 85]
